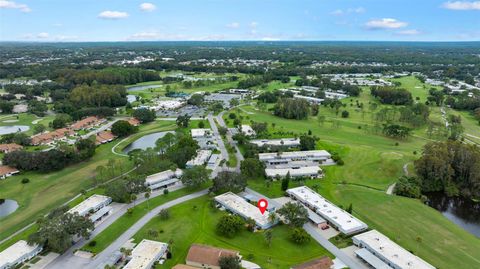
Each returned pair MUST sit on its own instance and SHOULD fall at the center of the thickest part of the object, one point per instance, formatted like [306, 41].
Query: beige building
[202, 256]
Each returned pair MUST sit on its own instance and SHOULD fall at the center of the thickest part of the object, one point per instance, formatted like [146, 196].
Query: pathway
[70, 260]
[391, 188]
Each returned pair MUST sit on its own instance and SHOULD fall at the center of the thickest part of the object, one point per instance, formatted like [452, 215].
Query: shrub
[25, 181]
[300, 236]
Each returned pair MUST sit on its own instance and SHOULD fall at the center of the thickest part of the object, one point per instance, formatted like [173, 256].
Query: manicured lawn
[25, 119]
[107, 236]
[46, 191]
[194, 222]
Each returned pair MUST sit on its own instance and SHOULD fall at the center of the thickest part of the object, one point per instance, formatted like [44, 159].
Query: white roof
[145, 254]
[276, 142]
[343, 220]
[201, 158]
[15, 252]
[92, 202]
[200, 132]
[247, 130]
[308, 98]
[162, 176]
[371, 259]
[294, 172]
[240, 206]
[294, 154]
[391, 251]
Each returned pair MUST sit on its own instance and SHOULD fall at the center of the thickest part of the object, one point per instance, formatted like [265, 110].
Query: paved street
[68, 258]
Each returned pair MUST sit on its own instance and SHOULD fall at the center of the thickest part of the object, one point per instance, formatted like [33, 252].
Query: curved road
[70, 261]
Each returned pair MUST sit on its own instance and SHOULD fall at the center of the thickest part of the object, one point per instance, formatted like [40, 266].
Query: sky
[206, 20]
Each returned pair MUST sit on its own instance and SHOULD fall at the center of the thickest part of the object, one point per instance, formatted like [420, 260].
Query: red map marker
[262, 205]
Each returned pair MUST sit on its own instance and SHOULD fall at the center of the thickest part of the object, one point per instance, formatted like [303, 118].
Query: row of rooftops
[200, 159]
[91, 204]
[313, 155]
[17, 253]
[6, 148]
[241, 207]
[282, 142]
[162, 177]
[390, 253]
[341, 219]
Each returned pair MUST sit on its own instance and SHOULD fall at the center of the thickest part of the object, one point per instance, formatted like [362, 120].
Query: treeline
[52, 160]
[451, 167]
[392, 96]
[111, 76]
[98, 96]
[291, 108]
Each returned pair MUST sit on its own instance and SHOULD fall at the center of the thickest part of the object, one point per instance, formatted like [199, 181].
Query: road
[230, 140]
[69, 259]
[117, 244]
[219, 139]
[347, 260]
[102, 128]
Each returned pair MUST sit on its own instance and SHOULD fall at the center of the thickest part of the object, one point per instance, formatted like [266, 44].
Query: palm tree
[133, 197]
[147, 196]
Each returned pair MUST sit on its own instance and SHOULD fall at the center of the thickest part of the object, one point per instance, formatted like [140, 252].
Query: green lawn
[107, 236]
[46, 191]
[372, 163]
[25, 119]
[194, 222]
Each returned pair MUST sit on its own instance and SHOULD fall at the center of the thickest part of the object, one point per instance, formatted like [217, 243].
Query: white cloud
[43, 35]
[253, 24]
[340, 12]
[13, 5]
[233, 25]
[409, 32]
[113, 15]
[462, 5]
[149, 7]
[385, 23]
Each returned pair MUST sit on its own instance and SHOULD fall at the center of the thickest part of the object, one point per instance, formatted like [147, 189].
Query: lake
[461, 211]
[13, 129]
[145, 87]
[7, 207]
[144, 142]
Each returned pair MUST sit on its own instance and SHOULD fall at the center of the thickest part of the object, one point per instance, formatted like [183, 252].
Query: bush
[300, 236]
[164, 214]
[25, 181]
[92, 243]
[345, 114]
[229, 225]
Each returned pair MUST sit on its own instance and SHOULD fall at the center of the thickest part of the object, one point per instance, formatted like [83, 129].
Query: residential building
[310, 99]
[204, 138]
[18, 253]
[134, 121]
[163, 179]
[48, 138]
[239, 206]
[317, 156]
[104, 137]
[7, 148]
[335, 95]
[381, 252]
[337, 217]
[300, 171]
[94, 207]
[183, 266]
[321, 263]
[146, 253]
[7, 171]
[213, 161]
[207, 257]
[87, 123]
[247, 130]
[272, 143]
[200, 159]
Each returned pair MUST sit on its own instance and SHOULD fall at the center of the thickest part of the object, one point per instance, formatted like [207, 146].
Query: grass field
[194, 222]
[107, 236]
[372, 163]
[46, 191]
[25, 119]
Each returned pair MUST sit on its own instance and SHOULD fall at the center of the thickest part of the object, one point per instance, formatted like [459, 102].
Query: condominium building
[380, 252]
[94, 207]
[18, 253]
[163, 179]
[337, 217]
[146, 253]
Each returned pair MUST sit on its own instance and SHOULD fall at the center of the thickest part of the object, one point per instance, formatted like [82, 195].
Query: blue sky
[138, 20]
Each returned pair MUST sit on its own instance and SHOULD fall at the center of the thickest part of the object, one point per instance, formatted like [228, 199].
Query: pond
[461, 211]
[13, 129]
[7, 207]
[144, 142]
[144, 87]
